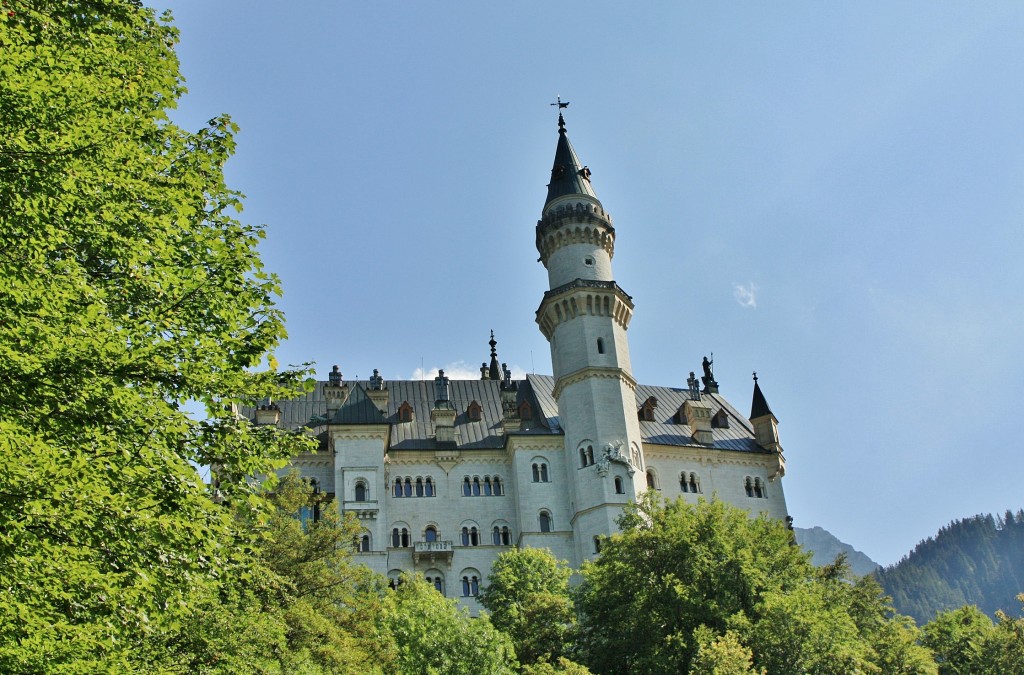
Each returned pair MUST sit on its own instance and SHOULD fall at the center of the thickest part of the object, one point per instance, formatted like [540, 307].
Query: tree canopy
[127, 287]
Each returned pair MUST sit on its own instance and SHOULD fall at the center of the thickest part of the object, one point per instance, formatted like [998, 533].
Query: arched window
[470, 582]
[396, 538]
[496, 536]
[430, 534]
[419, 487]
[694, 483]
[487, 486]
[405, 538]
[429, 487]
[583, 456]
[544, 473]
[748, 485]
[545, 521]
[652, 480]
[467, 490]
[364, 543]
[474, 537]
[398, 487]
[600, 345]
[435, 579]
[474, 586]
[597, 544]
[683, 485]
[360, 491]
[758, 488]
[590, 455]
[506, 536]
[536, 473]
[408, 487]
[465, 536]
[476, 486]
[619, 490]
[498, 489]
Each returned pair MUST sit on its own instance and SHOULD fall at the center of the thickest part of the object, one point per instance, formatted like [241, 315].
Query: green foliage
[965, 641]
[973, 561]
[528, 598]
[434, 637]
[687, 586]
[126, 288]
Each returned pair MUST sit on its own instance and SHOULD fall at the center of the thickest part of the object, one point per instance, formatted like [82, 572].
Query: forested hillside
[974, 561]
[825, 546]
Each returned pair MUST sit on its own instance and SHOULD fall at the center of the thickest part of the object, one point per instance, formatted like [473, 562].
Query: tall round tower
[584, 316]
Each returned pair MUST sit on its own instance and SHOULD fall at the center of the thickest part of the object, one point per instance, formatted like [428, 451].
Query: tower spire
[569, 176]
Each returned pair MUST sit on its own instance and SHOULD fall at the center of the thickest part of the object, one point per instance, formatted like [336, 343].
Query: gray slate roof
[310, 410]
[566, 176]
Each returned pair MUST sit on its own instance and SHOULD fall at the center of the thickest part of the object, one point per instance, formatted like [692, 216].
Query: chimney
[377, 392]
[335, 391]
[268, 414]
[698, 416]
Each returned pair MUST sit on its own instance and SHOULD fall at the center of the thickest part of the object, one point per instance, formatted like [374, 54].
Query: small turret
[766, 427]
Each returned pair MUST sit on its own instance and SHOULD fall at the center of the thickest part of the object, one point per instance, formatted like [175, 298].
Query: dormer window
[405, 412]
[720, 420]
[646, 412]
[525, 411]
[474, 412]
[681, 415]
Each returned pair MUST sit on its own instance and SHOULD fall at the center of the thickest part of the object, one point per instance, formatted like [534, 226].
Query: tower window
[360, 491]
[589, 261]
[545, 521]
[618, 486]
[600, 345]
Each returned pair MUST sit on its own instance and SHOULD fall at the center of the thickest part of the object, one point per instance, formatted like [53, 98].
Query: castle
[445, 475]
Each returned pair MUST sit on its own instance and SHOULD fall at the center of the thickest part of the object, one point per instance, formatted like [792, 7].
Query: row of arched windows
[413, 487]
[540, 473]
[488, 487]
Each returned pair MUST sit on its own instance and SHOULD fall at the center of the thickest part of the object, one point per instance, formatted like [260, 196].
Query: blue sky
[827, 193]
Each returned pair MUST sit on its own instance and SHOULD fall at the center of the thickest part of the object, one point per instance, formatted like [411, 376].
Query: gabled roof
[358, 409]
[568, 175]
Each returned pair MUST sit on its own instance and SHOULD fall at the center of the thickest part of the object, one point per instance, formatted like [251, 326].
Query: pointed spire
[759, 406]
[568, 175]
[494, 372]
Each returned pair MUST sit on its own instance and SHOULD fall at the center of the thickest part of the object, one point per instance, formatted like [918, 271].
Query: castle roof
[310, 411]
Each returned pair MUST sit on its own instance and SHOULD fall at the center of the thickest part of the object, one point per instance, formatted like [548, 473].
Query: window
[474, 412]
[400, 537]
[652, 480]
[501, 535]
[754, 487]
[588, 261]
[646, 413]
[476, 486]
[544, 474]
[405, 412]
[430, 534]
[619, 490]
[467, 490]
[748, 486]
[536, 473]
[597, 544]
[689, 482]
[545, 521]
[470, 586]
[720, 420]
[435, 579]
[408, 487]
[470, 536]
[398, 487]
[590, 455]
[487, 487]
[600, 345]
[540, 472]
[758, 488]
[429, 487]
[498, 489]
[586, 455]
[364, 543]
[360, 491]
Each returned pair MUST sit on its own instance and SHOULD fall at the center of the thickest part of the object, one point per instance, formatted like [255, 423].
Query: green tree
[681, 578]
[956, 637]
[126, 288]
[721, 655]
[433, 636]
[528, 598]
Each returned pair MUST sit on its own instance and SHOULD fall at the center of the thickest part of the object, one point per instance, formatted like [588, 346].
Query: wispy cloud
[746, 295]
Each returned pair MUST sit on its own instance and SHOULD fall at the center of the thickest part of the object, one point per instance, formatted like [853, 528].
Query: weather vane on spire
[561, 120]
[560, 103]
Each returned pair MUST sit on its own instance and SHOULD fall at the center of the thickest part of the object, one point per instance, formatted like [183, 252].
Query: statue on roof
[710, 386]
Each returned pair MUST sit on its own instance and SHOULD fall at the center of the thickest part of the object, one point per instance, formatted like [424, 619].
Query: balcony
[431, 551]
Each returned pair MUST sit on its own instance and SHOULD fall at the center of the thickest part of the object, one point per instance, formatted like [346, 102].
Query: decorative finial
[561, 120]
[493, 372]
[494, 344]
[755, 376]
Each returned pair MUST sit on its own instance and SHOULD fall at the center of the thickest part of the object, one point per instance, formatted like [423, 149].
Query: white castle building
[446, 475]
